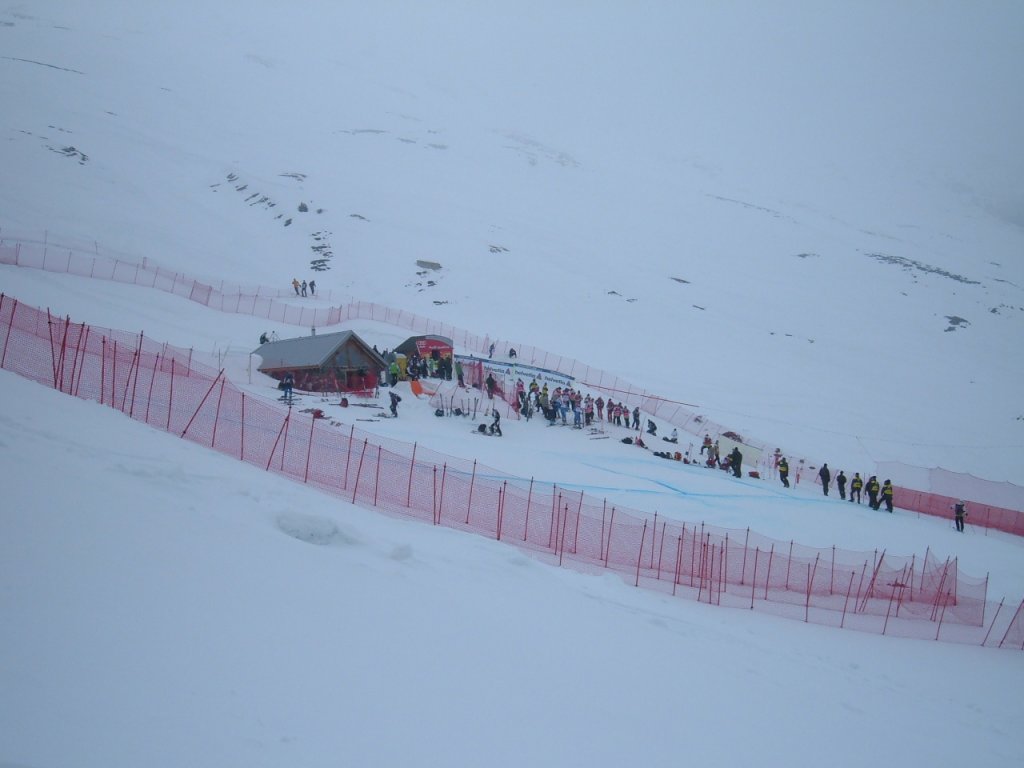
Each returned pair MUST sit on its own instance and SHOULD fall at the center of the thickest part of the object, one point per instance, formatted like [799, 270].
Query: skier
[873, 489]
[825, 476]
[784, 472]
[855, 485]
[395, 400]
[887, 495]
[959, 513]
[841, 484]
[289, 382]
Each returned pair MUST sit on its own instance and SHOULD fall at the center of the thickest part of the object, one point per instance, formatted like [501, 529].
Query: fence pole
[743, 571]
[556, 511]
[942, 614]
[753, 580]
[661, 549]
[433, 499]
[408, 490]
[679, 562]
[137, 364]
[472, 482]
[847, 600]
[309, 442]
[376, 477]
[10, 326]
[152, 381]
[576, 533]
[170, 400]
[640, 554]
[529, 498]
[608, 550]
[789, 563]
[654, 536]
[273, 450]
[216, 416]
[201, 404]
[103, 371]
[990, 626]
[440, 500]
[768, 576]
[53, 351]
[502, 490]
[241, 442]
[874, 578]
[1010, 625]
[348, 455]
[359, 469]
[561, 545]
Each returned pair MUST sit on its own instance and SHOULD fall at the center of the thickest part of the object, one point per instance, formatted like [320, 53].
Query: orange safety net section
[921, 597]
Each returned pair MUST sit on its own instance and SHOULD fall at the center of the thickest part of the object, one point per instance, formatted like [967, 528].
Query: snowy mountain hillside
[804, 220]
[703, 212]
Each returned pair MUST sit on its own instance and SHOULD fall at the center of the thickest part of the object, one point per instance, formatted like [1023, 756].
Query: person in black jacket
[825, 476]
[395, 400]
[736, 462]
[841, 485]
[873, 488]
[959, 513]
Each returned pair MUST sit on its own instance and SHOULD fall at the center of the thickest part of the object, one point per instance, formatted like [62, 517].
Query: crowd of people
[569, 406]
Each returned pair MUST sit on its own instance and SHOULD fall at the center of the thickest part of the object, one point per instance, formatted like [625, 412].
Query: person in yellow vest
[873, 489]
[887, 495]
[784, 472]
[855, 485]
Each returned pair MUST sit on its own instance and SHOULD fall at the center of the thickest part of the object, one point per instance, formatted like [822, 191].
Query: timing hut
[330, 362]
[424, 346]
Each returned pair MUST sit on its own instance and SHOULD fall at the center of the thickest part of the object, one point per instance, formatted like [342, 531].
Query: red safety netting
[270, 304]
[915, 596]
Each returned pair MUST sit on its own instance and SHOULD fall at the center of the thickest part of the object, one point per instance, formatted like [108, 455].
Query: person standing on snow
[395, 400]
[841, 485]
[736, 462]
[873, 489]
[784, 472]
[855, 485]
[887, 495]
[295, 285]
[959, 513]
[825, 476]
